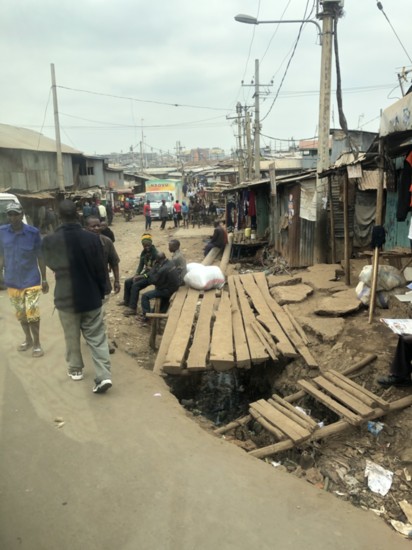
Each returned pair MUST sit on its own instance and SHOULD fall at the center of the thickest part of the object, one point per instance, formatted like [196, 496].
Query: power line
[142, 100]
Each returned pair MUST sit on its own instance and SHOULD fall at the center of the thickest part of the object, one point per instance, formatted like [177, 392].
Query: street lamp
[248, 19]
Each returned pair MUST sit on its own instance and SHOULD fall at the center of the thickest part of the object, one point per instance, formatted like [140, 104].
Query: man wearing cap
[133, 285]
[24, 274]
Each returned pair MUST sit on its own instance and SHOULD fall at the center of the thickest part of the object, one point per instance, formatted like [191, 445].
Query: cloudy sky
[171, 70]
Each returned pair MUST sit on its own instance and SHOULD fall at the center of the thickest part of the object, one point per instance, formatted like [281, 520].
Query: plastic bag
[363, 293]
[388, 277]
[204, 277]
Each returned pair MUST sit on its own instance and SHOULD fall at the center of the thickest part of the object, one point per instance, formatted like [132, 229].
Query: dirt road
[130, 470]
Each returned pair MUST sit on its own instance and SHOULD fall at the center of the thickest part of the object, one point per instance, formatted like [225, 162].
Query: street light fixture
[248, 19]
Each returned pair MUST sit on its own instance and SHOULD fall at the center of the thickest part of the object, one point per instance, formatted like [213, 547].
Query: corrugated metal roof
[246, 185]
[12, 137]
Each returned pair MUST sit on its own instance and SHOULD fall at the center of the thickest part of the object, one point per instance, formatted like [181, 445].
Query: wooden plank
[226, 254]
[221, 346]
[333, 405]
[257, 352]
[242, 354]
[280, 421]
[376, 400]
[284, 321]
[212, 256]
[297, 326]
[266, 316]
[176, 353]
[170, 328]
[327, 431]
[269, 346]
[267, 425]
[344, 397]
[308, 420]
[201, 339]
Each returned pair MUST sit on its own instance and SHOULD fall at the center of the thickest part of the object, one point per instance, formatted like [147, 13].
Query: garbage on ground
[375, 428]
[406, 509]
[404, 529]
[379, 479]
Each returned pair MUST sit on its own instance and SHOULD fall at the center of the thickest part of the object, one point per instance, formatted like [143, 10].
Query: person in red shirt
[177, 213]
[147, 213]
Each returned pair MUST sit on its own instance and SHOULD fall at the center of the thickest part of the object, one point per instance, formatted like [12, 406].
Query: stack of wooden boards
[239, 326]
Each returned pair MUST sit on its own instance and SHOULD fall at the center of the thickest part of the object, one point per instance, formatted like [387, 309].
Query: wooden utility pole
[60, 173]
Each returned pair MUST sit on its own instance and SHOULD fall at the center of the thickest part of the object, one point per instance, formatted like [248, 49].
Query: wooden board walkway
[239, 326]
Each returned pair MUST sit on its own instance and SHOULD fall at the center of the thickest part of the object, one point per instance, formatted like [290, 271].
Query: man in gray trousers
[76, 257]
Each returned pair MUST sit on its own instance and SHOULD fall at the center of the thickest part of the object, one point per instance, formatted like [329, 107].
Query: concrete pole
[249, 148]
[60, 173]
[257, 122]
[240, 149]
[320, 245]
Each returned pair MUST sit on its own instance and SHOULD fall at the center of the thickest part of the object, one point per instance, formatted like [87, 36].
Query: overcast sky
[195, 55]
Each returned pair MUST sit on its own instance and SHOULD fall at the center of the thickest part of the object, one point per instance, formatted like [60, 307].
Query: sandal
[37, 352]
[25, 346]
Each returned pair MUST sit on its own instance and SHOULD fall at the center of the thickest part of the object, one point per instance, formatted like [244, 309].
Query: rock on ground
[291, 294]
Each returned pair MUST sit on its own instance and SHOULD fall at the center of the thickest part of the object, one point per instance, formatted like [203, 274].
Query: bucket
[247, 232]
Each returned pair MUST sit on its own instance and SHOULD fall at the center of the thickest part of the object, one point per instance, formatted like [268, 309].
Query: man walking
[24, 274]
[76, 257]
[147, 213]
[111, 264]
[163, 214]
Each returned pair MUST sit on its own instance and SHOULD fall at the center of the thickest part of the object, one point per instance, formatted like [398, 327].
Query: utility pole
[142, 163]
[238, 154]
[248, 147]
[331, 10]
[60, 174]
[257, 122]
[257, 85]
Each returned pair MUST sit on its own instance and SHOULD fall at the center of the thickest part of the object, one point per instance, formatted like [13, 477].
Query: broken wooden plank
[333, 405]
[297, 326]
[234, 424]
[221, 345]
[265, 316]
[362, 393]
[170, 329]
[283, 423]
[344, 397]
[242, 354]
[178, 346]
[257, 352]
[327, 431]
[284, 321]
[199, 349]
[267, 425]
[304, 419]
[269, 346]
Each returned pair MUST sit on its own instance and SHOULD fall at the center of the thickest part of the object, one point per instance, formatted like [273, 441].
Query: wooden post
[346, 228]
[378, 221]
[332, 222]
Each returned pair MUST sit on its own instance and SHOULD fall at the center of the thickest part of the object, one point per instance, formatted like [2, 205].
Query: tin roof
[13, 137]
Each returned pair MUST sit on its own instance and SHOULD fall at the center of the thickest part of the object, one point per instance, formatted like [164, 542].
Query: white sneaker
[75, 374]
[103, 386]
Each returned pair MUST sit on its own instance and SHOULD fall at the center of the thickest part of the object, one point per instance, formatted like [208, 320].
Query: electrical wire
[44, 118]
[142, 100]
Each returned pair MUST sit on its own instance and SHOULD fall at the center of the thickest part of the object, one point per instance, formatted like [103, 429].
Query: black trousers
[132, 290]
[401, 364]
[163, 224]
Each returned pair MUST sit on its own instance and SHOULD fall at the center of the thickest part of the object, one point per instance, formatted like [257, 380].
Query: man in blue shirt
[24, 274]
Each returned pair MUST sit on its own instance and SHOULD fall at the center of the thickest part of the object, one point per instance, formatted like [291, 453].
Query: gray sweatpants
[91, 325]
